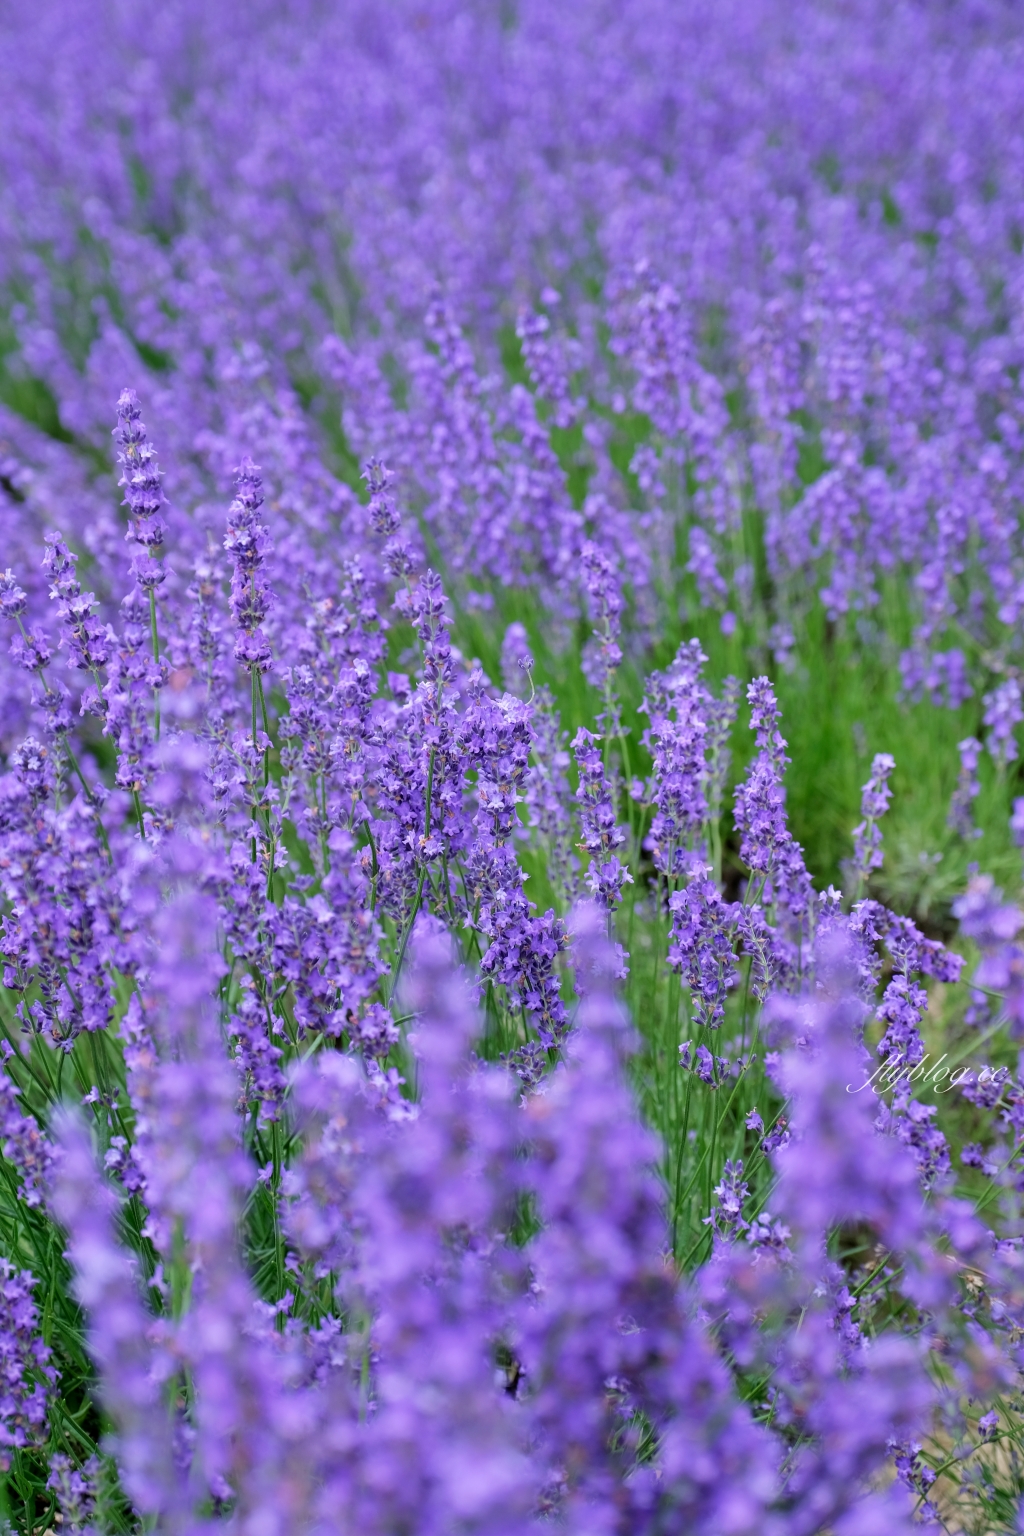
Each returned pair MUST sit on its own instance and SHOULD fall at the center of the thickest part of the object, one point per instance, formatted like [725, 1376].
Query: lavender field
[511, 806]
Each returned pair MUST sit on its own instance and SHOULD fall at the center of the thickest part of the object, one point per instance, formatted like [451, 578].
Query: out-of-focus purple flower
[1017, 821]
[720, 717]
[675, 703]
[548, 798]
[851, 1397]
[27, 1379]
[710, 1069]
[603, 655]
[545, 357]
[968, 787]
[1003, 713]
[994, 925]
[248, 1423]
[379, 479]
[598, 1257]
[443, 1442]
[516, 660]
[25, 1145]
[118, 1328]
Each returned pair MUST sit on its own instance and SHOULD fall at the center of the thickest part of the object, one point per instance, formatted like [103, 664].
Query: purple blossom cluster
[371, 1224]
[842, 355]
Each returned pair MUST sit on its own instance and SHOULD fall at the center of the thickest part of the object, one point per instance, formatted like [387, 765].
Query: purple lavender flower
[496, 738]
[57, 931]
[25, 1145]
[720, 716]
[75, 1490]
[119, 1330]
[913, 1124]
[767, 846]
[27, 1379]
[248, 543]
[901, 1010]
[257, 1054]
[601, 834]
[993, 925]
[968, 787]
[867, 839]
[385, 521]
[31, 650]
[1017, 821]
[731, 1192]
[461, 1312]
[835, 1168]
[545, 357]
[383, 516]
[87, 641]
[701, 946]
[548, 798]
[209, 646]
[598, 1258]
[1003, 714]
[143, 496]
[516, 660]
[442, 1441]
[676, 707]
[189, 1122]
[132, 676]
[602, 655]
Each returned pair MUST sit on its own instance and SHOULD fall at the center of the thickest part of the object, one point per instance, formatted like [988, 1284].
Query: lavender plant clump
[441, 455]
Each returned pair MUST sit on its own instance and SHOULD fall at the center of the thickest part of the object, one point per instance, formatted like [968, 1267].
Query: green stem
[253, 680]
[376, 868]
[406, 932]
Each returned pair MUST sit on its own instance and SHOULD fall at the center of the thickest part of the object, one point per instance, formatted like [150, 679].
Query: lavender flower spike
[601, 834]
[120, 1330]
[143, 496]
[961, 807]
[27, 1378]
[867, 839]
[247, 541]
[1003, 714]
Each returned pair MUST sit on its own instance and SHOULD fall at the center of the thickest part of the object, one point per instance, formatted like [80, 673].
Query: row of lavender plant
[763, 267]
[336, 1185]
[327, 1199]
